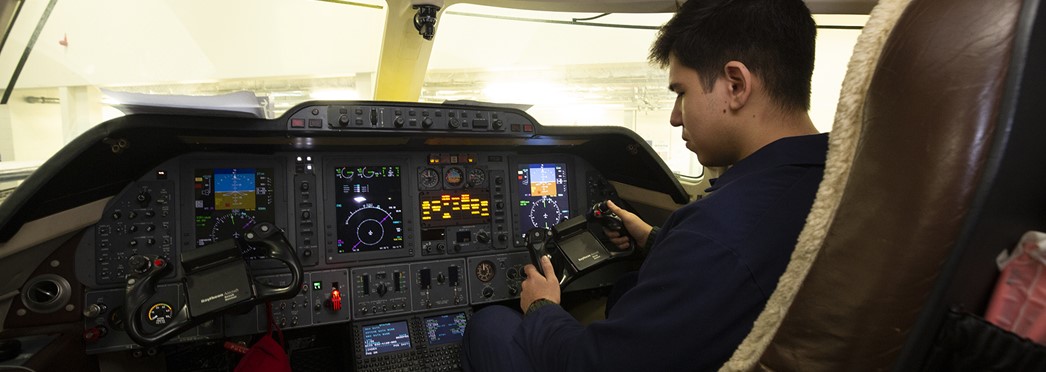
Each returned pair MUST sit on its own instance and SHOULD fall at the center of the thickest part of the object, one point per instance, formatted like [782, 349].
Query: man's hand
[639, 230]
[537, 286]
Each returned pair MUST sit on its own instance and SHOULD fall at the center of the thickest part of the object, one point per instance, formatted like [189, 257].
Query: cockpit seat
[935, 166]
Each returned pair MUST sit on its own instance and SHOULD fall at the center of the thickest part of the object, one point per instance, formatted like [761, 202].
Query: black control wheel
[265, 239]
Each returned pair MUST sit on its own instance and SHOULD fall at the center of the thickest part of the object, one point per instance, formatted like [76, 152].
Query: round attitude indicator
[160, 314]
[545, 213]
[453, 176]
[485, 271]
[371, 224]
[428, 178]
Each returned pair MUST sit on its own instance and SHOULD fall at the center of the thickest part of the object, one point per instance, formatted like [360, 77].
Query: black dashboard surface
[404, 216]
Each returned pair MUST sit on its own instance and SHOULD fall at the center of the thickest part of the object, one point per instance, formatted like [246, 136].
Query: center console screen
[543, 196]
[369, 208]
[230, 201]
[385, 338]
[446, 328]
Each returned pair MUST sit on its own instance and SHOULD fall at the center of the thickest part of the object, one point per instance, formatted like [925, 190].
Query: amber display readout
[447, 208]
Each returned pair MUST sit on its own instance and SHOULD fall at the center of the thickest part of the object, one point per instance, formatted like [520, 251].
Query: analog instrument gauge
[485, 271]
[477, 177]
[453, 176]
[160, 314]
[428, 178]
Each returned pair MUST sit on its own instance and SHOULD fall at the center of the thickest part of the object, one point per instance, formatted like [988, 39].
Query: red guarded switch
[335, 299]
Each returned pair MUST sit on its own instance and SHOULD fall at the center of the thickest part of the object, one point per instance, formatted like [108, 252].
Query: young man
[741, 72]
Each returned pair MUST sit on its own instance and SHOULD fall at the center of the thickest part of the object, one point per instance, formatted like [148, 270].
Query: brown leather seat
[949, 170]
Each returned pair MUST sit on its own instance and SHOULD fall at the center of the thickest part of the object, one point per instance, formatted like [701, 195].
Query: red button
[297, 123]
[528, 127]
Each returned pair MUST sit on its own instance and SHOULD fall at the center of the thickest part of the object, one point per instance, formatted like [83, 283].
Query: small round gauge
[545, 213]
[160, 314]
[477, 177]
[453, 176]
[428, 178]
[485, 271]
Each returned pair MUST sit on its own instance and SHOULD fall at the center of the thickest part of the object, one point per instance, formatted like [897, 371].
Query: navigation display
[385, 338]
[543, 196]
[445, 329]
[369, 208]
[230, 201]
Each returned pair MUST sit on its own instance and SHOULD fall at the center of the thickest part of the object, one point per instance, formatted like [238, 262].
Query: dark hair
[773, 38]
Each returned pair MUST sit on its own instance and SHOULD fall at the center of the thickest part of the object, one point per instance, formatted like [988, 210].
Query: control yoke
[216, 279]
[573, 245]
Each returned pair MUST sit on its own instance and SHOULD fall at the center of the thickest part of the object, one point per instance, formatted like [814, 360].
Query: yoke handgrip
[276, 246]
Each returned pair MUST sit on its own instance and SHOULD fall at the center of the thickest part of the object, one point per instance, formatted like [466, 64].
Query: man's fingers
[532, 272]
[546, 264]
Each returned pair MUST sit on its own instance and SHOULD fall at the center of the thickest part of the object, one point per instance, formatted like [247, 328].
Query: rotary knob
[483, 236]
[138, 263]
[382, 289]
[143, 199]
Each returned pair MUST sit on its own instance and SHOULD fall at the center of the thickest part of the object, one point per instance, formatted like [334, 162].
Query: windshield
[284, 51]
[60, 59]
[592, 69]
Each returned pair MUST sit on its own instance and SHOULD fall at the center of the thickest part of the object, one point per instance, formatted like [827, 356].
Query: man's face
[703, 116]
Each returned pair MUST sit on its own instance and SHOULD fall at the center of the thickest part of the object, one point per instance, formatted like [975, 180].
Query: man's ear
[739, 84]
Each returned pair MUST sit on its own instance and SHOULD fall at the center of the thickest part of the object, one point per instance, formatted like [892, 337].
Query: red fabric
[266, 355]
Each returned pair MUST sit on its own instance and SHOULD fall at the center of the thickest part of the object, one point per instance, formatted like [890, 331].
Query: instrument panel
[380, 234]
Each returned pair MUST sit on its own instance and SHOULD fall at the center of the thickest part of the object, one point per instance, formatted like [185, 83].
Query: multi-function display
[543, 197]
[385, 338]
[368, 208]
[446, 328]
[230, 201]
